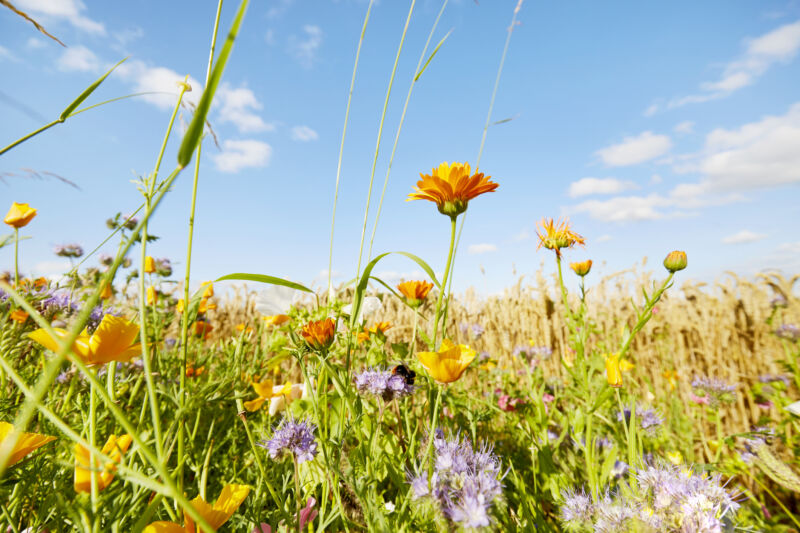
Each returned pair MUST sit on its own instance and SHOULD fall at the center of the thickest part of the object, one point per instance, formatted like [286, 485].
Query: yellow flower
[180, 305]
[106, 292]
[447, 365]
[415, 291]
[319, 334]
[19, 215]
[613, 373]
[192, 372]
[266, 390]
[19, 316]
[209, 289]
[626, 366]
[26, 443]
[381, 327]
[111, 341]
[152, 296]
[217, 514]
[114, 448]
[275, 320]
[557, 235]
[149, 265]
[451, 187]
[242, 327]
[671, 377]
[675, 261]
[675, 457]
[489, 365]
[205, 306]
[581, 268]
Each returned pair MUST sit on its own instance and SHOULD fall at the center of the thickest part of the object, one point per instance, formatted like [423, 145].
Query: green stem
[16, 257]
[434, 419]
[187, 276]
[444, 281]
[30, 135]
[93, 442]
[341, 150]
[297, 491]
[646, 314]
[780, 503]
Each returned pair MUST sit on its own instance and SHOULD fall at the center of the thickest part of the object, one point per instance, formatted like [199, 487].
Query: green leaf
[263, 278]
[85, 94]
[195, 130]
[430, 58]
[5, 240]
[361, 288]
[428, 270]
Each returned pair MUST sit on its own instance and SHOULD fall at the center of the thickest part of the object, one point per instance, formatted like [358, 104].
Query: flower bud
[675, 261]
[613, 372]
[152, 296]
[581, 268]
[149, 265]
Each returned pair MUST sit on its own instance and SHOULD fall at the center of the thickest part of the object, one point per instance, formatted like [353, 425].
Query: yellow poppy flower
[451, 187]
[26, 443]
[447, 365]
[626, 366]
[613, 372]
[266, 390]
[208, 292]
[179, 306]
[19, 215]
[111, 341]
[217, 514]
[275, 320]
[114, 448]
[152, 296]
[149, 265]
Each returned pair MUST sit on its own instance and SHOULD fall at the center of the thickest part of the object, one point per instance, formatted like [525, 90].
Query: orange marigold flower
[581, 268]
[319, 334]
[415, 291]
[381, 327]
[202, 329]
[675, 261]
[192, 372]
[19, 316]
[557, 235]
[451, 187]
[19, 215]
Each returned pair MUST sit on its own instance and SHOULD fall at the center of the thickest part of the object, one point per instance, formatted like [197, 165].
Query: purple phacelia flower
[295, 437]
[788, 331]
[68, 250]
[714, 390]
[649, 420]
[383, 384]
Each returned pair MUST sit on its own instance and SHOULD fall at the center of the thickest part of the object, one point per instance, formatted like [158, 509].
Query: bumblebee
[407, 374]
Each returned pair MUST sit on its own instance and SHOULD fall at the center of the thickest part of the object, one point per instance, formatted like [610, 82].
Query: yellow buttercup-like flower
[217, 514]
[111, 341]
[447, 365]
[266, 390]
[114, 448]
[451, 187]
[26, 443]
[19, 215]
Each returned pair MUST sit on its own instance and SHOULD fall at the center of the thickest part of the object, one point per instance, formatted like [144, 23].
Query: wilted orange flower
[26, 443]
[152, 296]
[319, 334]
[581, 268]
[19, 215]
[613, 372]
[115, 448]
[205, 306]
[111, 341]
[149, 265]
[106, 292]
[275, 320]
[216, 515]
[447, 365]
[451, 187]
[192, 372]
[37, 284]
[203, 329]
[19, 316]
[557, 235]
[415, 291]
[380, 326]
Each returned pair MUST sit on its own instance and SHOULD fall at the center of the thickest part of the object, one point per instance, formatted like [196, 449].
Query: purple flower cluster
[649, 420]
[105, 260]
[532, 352]
[774, 378]
[788, 331]
[665, 497]
[383, 384]
[716, 390]
[295, 437]
[58, 301]
[475, 331]
[465, 482]
[68, 250]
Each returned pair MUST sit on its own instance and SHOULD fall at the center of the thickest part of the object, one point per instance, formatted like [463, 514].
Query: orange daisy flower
[415, 291]
[319, 334]
[451, 187]
[557, 235]
[381, 327]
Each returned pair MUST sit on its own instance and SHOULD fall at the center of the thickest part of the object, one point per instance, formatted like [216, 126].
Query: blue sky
[653, 126]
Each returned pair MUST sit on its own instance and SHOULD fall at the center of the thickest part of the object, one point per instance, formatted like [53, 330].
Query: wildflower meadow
[135, 397]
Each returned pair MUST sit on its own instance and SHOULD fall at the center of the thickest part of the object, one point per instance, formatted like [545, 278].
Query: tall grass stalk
[341, 149]
[187, 275]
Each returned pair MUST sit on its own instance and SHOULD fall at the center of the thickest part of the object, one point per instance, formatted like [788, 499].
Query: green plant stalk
[187, 276]
[380, 135]
[772, 495]
[111, 374]
[341, 150]
[16, 257]
[434, 419]
[298, 496]
[413, 347]
[646, 314]
[93, 442]
[151, 391]
[400, 125]
[444, 280]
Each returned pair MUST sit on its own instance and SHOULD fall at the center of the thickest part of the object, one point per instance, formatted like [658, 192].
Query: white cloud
[50, 269]
[35, 43]
[240, 154]
[279, 8]
[160, 80]
[69, 10]
[523, 235]
[635, 150]
[304, 133]
[5, 53]
[238, 106]
[686, 126]
[482, 248]
[603, 238]
[588, 186]
[655, 178]
[778, 46]
[304, 50]
[625, 208]
[392, 276]
[743, 236]
[78, 58]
